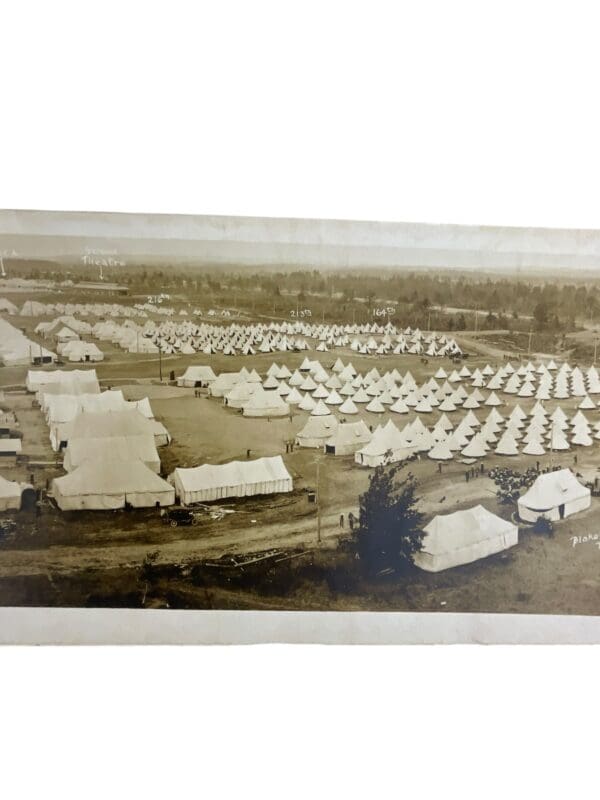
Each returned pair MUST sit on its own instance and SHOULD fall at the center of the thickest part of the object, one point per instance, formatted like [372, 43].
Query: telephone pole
[529, 345]
[160, 360]
[318, 504]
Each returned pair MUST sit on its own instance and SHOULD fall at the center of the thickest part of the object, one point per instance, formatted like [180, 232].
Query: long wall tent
[235, 479]
[81, 351]
[115, 448]
[106, 485]
[108, 424]
[17, 349]
[197, 376]
[64, 408]
[39, 379]
[554, 495]
[10, 495]
[463, 537]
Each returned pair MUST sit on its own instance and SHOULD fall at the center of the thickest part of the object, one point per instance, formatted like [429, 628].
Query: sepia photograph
[227, 413]
[299, 385]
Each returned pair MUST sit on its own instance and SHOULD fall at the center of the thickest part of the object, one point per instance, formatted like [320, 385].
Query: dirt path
[195, 546]
[470, 343]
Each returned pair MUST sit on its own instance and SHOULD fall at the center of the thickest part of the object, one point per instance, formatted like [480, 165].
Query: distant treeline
[442, 299]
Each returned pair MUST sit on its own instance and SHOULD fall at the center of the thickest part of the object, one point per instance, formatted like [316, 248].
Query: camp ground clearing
[289, 539]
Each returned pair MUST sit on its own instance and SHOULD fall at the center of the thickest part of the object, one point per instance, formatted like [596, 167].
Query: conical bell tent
[440, 452]
[507, 446]
[347, 407]
[475, 448]
[534, 448]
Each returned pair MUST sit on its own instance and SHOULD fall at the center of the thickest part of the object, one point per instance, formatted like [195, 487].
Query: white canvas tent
[265, 404]
[91, 425]
[224, 383]
[38, 379]
[197, 376]
[235, 479]
[463, 537]
[317, 431]
[387, 446]
[106, 485]
[348, 438]
[554, 495]
[139, 447]
[10, 495]
[80, 351]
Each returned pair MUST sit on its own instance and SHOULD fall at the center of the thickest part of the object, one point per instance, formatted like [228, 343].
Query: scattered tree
[389, 530]
[541, 315]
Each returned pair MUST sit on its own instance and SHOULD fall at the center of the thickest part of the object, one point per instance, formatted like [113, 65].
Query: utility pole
[318, 504]
[160, 360]
[595, 349]
[476, 320]
[529, 345]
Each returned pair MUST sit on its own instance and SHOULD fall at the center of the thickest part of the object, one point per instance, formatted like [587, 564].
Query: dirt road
[194, 545]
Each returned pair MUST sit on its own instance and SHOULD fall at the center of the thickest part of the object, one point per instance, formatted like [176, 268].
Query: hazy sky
[251, 240]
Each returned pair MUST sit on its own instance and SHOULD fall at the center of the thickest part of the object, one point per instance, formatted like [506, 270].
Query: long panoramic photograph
[284, 414]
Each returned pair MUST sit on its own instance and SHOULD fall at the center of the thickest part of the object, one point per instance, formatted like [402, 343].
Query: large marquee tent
[138, 447]
[554, 495]
[108, 484]
[462, 537]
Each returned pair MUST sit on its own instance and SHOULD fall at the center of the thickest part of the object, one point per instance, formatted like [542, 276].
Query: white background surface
[437, 112]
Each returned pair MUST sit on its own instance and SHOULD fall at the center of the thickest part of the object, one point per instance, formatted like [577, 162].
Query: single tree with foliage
[389, 532]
